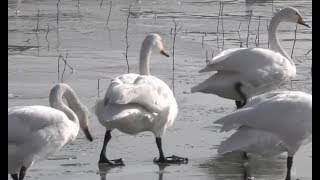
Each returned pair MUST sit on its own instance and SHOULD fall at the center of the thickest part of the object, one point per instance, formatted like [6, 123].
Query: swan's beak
[300, 21]
[87, 133]
[163, 52]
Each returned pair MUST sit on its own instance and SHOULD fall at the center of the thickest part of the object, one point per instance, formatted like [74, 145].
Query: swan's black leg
[247, 169]
[23, 171]
[289, 165]
[103, 157]
[159, 145]
[239, 104]
[170, 159]
[14, 176]
[243, 102]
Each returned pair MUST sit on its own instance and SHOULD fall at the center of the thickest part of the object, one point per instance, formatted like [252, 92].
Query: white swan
[272, 123]
[35, 132]
[134, 103]
[245, 72]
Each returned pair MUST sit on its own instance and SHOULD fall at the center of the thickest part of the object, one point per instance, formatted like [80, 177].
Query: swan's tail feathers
[233, 120]
[207, 69]
[247, 139]
[106, 111]
[238, 141]
[198, 88]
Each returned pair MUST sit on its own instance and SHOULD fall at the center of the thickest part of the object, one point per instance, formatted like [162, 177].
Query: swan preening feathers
[246, 72]
[139, 102]
[271, 123]
[35, 132]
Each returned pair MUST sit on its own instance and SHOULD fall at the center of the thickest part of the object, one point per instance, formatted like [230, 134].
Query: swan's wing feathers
[254, 114]
[121, 93]
[24, 121]
[251, 140]
[218, 58]
[112, 111]
[234, 120]
[148, 91]
[119, 87]
[239, 59]
[271, 111]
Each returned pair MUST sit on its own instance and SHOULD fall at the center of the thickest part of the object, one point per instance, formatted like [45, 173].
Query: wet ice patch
[62, 157]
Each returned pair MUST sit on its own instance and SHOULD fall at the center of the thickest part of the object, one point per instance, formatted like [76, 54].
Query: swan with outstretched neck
[135, 103]
[246, 72]
[35, 132]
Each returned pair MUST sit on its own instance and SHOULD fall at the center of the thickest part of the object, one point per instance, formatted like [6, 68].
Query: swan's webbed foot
[114, 162]
[171, 160]
[117, 162]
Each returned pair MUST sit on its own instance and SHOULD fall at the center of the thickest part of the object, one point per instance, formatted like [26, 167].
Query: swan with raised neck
[288, 14]
[151, 43]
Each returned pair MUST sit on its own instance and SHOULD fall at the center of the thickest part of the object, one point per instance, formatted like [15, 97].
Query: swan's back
[141, 96]
[148, 91]
[244, 59]
[35, 132]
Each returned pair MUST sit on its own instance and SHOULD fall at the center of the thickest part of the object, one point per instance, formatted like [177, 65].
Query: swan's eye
[297, 13]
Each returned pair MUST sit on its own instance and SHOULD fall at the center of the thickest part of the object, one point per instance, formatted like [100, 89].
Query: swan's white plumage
[251, 140]
[35, 132]
[285, 114]
[259, 70]
[134, 103]
[148, 91]
[231, 59]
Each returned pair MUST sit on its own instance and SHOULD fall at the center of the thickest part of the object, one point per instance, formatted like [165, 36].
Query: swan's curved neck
[273, 40]
[56, 102]
[145, 53]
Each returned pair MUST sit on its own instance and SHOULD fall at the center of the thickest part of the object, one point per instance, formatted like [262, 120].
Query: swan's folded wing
[120, 87]
[24, 121]
[254, 114]
[217, 59]
[251, 140]
[112, 111]
[272, 111]
[239, 59]
[148, 91]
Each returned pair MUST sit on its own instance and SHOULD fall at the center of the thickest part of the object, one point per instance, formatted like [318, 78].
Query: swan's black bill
[304, 24]
[163, 52]
[87, 134]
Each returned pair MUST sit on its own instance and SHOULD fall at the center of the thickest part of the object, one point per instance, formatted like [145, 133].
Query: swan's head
[155, 42]
[84, 117]
[290, 14]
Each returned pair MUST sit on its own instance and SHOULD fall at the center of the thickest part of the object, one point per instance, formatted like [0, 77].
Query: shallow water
[96, 52]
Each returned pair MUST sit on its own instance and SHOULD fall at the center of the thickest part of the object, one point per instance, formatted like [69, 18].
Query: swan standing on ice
[139, 102]
[245, 72]
[35, 132]
[272, 123]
